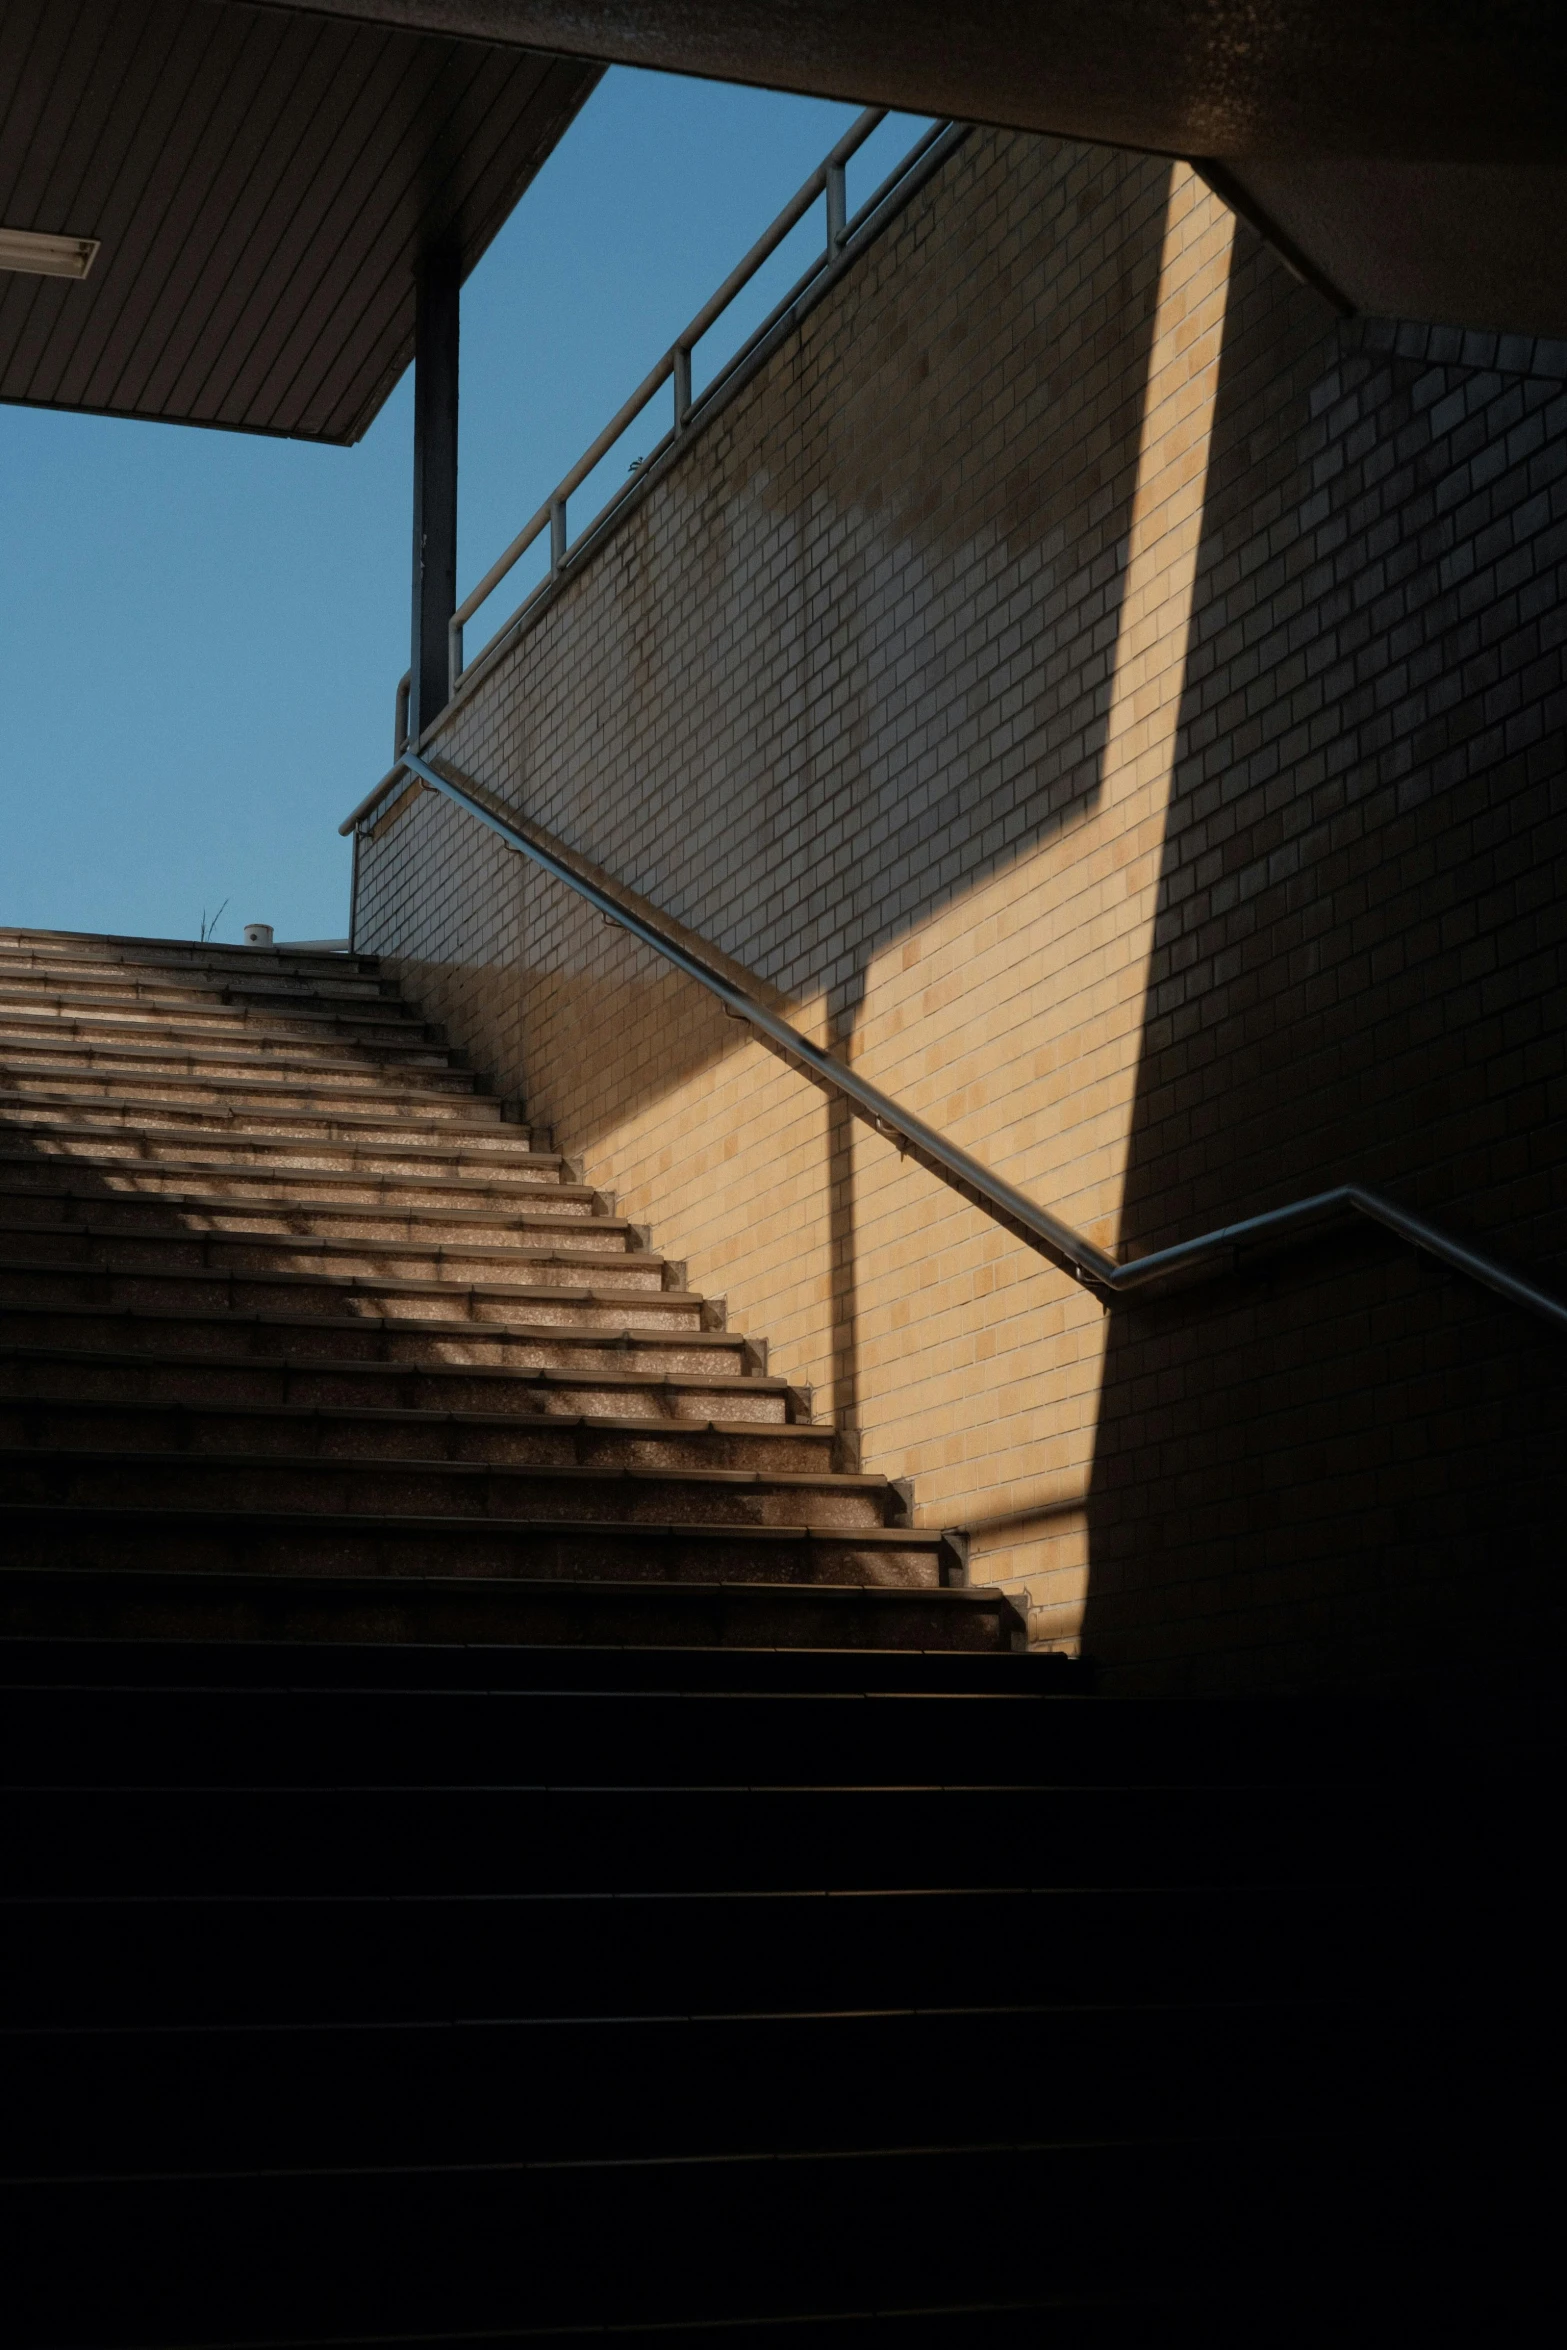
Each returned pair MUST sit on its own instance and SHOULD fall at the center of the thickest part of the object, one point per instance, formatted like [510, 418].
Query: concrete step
[470, 1169]
[492, 1952]
[31, 1209]
[67, 1539]
[543, 1834]
[341, 1485]
[373, 1025]
[573, 1339]
[312, 1094]
[557, 1436]
[604, 1242]
[155, 1604]
[482, 1694]
[134, 2103]
[697, 2234]
[161, 1718]
[326, 979]
[156, 1374]
[598, 1294]
[51, 950]
[390, 1129]
[164, 1051]
[697, 2245]
[131, 1007]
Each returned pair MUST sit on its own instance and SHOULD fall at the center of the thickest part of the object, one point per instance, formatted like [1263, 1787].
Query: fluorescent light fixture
[42, 256]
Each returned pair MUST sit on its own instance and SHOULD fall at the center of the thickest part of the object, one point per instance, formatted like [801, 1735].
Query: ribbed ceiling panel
[263, 183]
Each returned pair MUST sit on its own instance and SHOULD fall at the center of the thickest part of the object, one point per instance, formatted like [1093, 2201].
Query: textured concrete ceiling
[1420, 78]
[1405, 147]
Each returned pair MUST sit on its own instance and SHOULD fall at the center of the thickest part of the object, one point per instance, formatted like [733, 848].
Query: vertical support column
[435, 484]
[837, 208]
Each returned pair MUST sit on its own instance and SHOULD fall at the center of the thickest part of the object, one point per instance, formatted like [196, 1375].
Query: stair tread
[765, 1480]
[52, 951]
[510, 1217]
[473, 1144]
[168, 1041]
[349, 1284]
[200, 982]
[136, 1005]
[392, 1416]
[328, 1244]
[397, 1096]
[699, 1530]
[307, 1366]
[467, 1186]
[394, 1326]
[384, 1137]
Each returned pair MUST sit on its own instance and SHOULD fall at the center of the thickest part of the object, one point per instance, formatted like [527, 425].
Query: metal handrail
[675, 365]
[1189, 1261]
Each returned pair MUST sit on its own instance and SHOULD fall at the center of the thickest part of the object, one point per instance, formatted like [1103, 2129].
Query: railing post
[837, 207]
[438, 674]
[435, 483]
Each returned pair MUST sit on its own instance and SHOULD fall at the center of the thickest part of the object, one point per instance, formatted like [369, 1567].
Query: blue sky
[201, 633]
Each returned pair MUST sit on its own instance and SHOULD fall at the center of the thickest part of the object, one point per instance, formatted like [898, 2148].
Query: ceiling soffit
[263, 182]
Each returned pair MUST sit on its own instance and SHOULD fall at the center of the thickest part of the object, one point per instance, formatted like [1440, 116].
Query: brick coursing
[1121, 709]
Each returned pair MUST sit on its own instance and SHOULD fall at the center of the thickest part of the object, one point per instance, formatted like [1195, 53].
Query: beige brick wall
[901, 690]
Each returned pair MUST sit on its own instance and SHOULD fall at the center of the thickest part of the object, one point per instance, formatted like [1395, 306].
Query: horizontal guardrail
[846, 235]
[827, 180]
[1190, 1261]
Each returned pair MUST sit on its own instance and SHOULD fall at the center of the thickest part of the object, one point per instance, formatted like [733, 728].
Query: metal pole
[837, 208]
[353, 895]
[435, 484]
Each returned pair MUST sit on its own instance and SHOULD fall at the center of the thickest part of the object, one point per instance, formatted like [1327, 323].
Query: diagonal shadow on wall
[813, 700]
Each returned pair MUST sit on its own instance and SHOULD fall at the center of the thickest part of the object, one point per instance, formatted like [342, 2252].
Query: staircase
[509, 1839]
[301, 1335]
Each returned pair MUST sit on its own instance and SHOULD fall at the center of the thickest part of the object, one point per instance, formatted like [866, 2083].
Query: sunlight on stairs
[508, 1842]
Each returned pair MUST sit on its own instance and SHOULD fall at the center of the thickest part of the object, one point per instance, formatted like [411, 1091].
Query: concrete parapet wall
[1126, 719]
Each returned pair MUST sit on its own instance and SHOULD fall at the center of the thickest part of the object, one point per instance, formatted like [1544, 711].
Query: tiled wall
[1114, 705]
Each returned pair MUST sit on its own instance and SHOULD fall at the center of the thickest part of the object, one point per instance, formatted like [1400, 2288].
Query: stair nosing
[350, 1284]
[526, 1333]
[212, 1203]
[405, 1415]
[298, 1366]
[346, 1244]
[473, 1131]
[833, 1480]
[977, 1597]
[334, 1522]
[109, 1164]
[410, 1094]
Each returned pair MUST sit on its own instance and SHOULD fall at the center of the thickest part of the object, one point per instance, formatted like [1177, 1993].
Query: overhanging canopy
[262, 182]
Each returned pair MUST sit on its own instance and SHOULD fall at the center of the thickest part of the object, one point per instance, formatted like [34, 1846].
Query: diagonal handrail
[1189, 1261]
